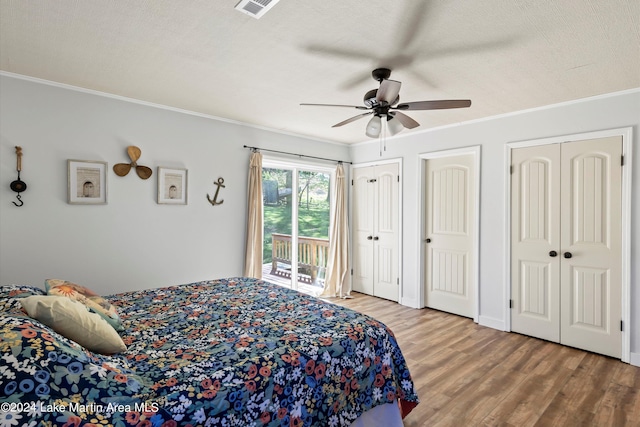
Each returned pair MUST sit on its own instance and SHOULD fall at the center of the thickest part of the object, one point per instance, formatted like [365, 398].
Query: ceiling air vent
[255, 8]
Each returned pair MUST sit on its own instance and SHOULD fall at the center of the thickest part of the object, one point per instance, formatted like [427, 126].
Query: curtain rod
[294, 154]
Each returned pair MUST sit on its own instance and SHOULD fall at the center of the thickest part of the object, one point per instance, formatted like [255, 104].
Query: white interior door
[591, 271]
[363, 228]
[449, 225]
[535, 241]
[386, 232]
[566, 243]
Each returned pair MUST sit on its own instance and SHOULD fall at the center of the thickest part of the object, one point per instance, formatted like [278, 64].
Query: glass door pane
[277, 247]
[313, 229]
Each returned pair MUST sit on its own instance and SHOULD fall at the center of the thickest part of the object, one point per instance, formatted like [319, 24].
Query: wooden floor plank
[469, 375]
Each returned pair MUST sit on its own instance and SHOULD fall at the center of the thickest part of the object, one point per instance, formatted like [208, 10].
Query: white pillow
[74, 321]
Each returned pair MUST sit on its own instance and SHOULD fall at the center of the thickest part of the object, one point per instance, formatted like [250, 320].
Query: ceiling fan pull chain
[384, 132]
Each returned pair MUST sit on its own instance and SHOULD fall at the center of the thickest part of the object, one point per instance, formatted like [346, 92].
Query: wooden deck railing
[312, 256]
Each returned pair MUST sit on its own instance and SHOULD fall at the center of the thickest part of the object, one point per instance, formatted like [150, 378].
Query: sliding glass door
[296, 203]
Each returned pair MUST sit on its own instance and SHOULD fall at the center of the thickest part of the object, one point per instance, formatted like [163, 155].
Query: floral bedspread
[230, 352]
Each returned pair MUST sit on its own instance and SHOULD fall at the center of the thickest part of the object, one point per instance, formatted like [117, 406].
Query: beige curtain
[337, 280]
[253, 251]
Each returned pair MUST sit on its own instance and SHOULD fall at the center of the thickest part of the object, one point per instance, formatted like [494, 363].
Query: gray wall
[132, 242]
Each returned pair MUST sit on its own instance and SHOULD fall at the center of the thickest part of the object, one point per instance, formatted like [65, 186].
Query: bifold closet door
[363, 200]
[376, 230]
[387, 229]
[566, 243]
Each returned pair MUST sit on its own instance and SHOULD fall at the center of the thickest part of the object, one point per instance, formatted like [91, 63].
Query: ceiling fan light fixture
[394, 125]
[374, 126]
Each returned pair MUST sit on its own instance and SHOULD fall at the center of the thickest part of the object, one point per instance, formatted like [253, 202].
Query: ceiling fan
[384, 103]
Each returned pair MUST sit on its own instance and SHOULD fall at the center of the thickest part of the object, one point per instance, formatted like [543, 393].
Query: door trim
[627, 138]
[474, 151]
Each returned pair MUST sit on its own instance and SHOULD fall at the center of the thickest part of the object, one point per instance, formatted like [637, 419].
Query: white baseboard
[634, 359]
[490, 322]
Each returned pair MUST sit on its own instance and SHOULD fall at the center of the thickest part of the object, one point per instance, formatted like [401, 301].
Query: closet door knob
[369, 237]
[376, 238]
[567, 255]
[553, 254]
[428, 240]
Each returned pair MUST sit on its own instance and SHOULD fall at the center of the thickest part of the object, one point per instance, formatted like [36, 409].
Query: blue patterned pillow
[10, 294]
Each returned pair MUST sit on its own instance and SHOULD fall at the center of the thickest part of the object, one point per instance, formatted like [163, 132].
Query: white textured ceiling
[206, 57]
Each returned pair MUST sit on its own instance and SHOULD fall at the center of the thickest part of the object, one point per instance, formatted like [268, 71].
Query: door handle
[428, 240]
[568, 255]
[376, 238]
[553, 254]
[369, 237]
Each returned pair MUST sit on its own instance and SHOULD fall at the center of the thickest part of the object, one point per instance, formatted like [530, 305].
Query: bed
[227, 352]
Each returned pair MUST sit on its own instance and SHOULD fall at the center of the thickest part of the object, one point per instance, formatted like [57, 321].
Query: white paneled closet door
[591, 236]
[363, 201]
[535, 241]
[376, 230]
[566, 243]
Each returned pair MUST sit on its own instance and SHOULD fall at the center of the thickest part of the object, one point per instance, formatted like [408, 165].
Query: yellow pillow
[72, 320]
[95, 302]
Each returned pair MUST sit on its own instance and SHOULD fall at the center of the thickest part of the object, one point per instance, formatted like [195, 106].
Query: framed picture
[172, 186]
[87, 182]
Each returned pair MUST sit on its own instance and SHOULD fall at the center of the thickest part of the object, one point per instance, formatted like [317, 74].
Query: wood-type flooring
[470, 375]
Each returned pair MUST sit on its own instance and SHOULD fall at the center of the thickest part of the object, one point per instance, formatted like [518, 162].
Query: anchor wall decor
[214, 201]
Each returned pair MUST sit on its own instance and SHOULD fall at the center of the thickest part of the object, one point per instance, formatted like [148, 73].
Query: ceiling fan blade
[352, 119]
[406, 121]
[434, 105]
[359, 107]
[414, 21]
[388, 91]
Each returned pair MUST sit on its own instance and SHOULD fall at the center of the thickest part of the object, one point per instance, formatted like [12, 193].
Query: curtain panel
[337, 283]
[254, 236]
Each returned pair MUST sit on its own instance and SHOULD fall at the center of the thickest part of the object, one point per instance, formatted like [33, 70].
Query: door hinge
[398, 178]
[352, 182]
[622, 160]
[621, 326]
[352, 271]
[510, 303]
[398, 281]
[511, 170]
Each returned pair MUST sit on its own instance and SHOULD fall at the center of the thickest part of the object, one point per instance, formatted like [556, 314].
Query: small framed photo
[172, 186]
[87, 182]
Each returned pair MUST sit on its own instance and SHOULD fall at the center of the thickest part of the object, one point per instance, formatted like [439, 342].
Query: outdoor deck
[286, 282]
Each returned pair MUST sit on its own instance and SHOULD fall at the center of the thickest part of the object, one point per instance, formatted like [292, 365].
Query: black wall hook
[18, 186]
